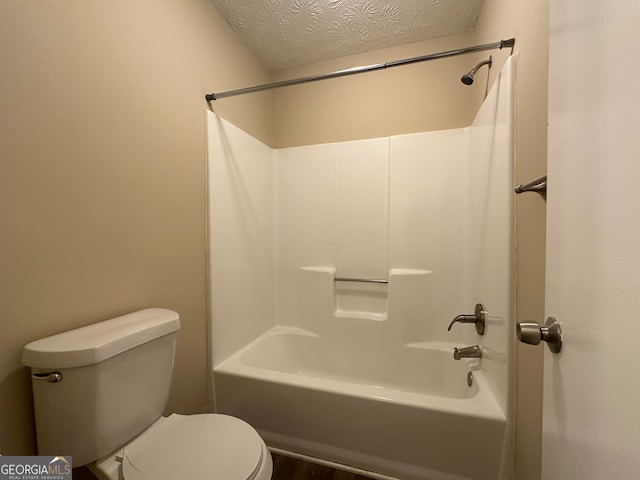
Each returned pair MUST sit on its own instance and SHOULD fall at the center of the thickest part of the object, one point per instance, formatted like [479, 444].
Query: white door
[591, 426]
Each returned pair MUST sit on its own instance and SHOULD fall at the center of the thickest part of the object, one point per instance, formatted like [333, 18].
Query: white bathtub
[404, 412]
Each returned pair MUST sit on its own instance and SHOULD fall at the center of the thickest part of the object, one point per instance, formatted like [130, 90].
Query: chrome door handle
[533, 334]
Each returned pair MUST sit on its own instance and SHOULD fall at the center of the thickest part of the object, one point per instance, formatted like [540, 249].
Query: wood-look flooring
[287, 468]
[284, 468]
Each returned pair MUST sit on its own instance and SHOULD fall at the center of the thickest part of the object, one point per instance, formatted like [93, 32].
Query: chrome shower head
[467, 78]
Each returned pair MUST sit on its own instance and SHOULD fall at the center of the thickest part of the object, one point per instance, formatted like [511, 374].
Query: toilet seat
[206, 446]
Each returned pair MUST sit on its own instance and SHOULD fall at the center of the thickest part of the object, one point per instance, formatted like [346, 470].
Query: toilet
[99, 393]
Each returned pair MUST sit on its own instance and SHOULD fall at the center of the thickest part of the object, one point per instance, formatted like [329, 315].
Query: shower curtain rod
[369, 68]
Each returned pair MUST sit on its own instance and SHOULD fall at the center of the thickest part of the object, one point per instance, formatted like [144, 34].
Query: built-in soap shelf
[360, 299]
[377, 299]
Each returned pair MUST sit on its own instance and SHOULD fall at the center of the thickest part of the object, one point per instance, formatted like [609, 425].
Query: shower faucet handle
[478, 317]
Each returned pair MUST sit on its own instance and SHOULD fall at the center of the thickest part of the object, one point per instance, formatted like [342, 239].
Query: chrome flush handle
[51, 377]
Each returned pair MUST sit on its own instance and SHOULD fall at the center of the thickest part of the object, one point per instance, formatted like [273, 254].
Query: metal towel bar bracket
[539, 186]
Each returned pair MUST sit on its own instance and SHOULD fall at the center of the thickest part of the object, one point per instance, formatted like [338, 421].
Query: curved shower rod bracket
[510, 42]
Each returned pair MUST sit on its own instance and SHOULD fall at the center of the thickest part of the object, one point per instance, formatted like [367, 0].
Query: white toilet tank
[114, 380]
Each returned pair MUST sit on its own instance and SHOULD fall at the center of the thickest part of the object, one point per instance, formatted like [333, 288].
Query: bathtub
[402, 412]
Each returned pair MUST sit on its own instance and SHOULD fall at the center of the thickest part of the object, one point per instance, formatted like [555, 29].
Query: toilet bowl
[99, 393]
[206, 446]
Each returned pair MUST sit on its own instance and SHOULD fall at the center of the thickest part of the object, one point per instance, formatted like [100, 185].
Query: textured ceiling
[287, 33]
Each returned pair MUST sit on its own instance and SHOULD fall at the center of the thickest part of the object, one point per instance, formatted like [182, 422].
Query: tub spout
[467, 352]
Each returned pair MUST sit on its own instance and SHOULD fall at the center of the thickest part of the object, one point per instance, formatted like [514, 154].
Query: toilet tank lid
[98, 342]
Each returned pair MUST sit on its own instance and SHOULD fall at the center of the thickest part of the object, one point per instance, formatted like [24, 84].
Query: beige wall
[410, 98]
[102, 165]
[102, 174]
[429, 96]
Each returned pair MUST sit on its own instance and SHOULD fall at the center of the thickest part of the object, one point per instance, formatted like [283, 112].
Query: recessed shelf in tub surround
[360, 300]
[405, 299]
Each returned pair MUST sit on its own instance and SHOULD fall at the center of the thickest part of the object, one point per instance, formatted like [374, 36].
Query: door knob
[533, 334]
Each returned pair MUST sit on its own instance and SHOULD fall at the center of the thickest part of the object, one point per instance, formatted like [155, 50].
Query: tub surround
[363, 373]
